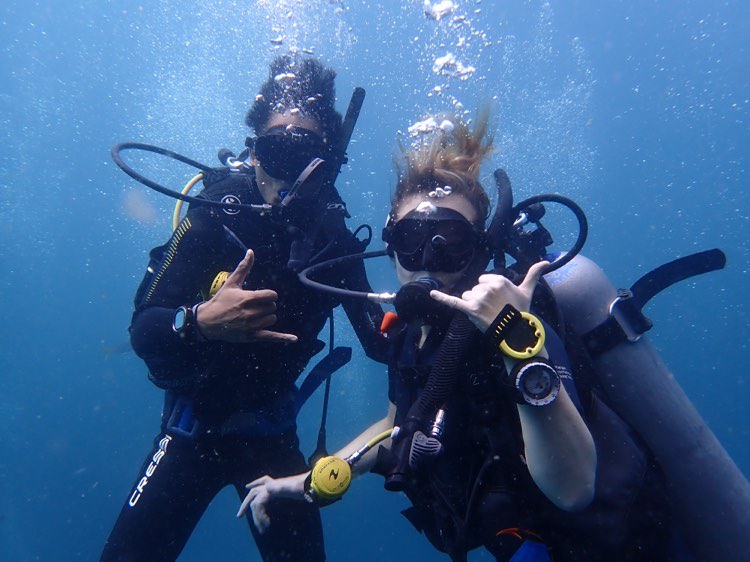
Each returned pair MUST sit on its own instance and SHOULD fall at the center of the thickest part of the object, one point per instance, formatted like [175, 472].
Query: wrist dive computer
[535, 381]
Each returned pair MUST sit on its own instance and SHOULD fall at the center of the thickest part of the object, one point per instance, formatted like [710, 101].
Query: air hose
[440, 384]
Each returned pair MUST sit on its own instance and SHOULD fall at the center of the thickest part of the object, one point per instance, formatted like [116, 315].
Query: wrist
[198, 328]
[185, 325]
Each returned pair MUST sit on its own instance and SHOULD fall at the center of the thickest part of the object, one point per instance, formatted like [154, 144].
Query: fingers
[260, 516]
[274, 337]
[533, 275]
[255, 500]
[252, 494]
[258, 482]
[448, 300]
[237, 277]
[245, 504]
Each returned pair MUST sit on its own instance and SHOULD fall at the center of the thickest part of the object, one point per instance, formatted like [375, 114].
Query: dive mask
[438, 240]
[284, 152]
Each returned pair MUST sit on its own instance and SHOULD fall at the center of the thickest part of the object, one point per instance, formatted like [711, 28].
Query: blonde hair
[448, 156]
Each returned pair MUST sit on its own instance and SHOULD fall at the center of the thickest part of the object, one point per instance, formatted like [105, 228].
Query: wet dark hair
[302, 84]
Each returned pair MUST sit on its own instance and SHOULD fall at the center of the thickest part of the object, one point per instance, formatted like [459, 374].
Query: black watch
[536, 382]
[184, 324]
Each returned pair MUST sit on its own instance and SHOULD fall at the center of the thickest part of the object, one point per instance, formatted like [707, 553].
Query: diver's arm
[265, 488]
[365, 316]
[195, 253]
[174, 277]
[367, 461]
[560, 452]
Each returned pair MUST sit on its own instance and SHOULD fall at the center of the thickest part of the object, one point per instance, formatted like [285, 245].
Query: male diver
[225, 326]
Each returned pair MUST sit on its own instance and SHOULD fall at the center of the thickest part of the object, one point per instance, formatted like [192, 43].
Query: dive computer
[536, 382]
[184, 324]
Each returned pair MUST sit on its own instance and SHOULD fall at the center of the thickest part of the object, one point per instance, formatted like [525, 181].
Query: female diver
[494, 448]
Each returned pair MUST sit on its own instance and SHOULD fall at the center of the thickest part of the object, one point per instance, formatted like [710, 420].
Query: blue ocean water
[638, 110]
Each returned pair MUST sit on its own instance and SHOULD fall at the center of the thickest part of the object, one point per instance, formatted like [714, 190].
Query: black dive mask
[285, 151]
[440, 239]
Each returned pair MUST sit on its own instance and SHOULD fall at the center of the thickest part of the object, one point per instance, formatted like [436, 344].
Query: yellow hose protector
[178, 206]
[330, 478]
[218, 283]
[532, 350]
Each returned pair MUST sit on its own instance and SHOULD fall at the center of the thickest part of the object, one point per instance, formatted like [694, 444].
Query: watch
[184, 324]
[536, 382]
[519, 335]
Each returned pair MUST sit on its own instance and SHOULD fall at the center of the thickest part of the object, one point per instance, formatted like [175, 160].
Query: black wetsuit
[229, 413]
[478, 491]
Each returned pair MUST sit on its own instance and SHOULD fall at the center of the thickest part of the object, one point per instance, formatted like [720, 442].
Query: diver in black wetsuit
[227, 342]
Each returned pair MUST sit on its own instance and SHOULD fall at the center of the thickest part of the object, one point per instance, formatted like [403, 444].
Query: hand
[238, 315]
[264, 489]
[491, 293]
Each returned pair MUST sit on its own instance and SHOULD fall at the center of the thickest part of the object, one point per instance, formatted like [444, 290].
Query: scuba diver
[498, 430]
[226, 327]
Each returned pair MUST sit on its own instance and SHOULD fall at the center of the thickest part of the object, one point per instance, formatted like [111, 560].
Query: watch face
[180, 319]
[539, 384]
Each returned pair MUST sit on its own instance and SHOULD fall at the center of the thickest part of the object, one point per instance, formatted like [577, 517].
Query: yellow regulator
[330, 478]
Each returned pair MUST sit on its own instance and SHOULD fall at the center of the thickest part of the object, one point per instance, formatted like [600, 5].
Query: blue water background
[639, 110]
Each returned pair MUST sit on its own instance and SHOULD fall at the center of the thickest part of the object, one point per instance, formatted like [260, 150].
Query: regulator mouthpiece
[413, 301]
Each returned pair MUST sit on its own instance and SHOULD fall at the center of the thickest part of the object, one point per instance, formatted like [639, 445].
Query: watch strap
[185, 324]
[519, 335]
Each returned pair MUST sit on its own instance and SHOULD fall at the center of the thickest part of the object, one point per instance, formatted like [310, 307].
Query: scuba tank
[709, 495]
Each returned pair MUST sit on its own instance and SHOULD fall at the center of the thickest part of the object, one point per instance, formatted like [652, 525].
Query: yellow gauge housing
[529, 351]
[330, 478]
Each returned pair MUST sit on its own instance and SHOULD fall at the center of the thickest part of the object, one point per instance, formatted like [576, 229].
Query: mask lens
[285, 156]
[457, 237]
[408, 236]
[433, 245]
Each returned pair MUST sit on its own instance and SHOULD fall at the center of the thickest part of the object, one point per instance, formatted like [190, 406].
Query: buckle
[182, 421]
[628, 316]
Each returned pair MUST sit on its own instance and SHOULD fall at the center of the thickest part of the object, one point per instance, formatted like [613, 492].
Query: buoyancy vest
[480, 486]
